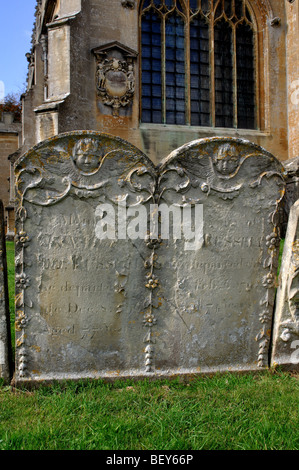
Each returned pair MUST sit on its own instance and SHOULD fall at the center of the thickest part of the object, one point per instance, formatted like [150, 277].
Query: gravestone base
[182, 376]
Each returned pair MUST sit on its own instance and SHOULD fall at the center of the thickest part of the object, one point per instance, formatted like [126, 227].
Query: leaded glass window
[198, 63]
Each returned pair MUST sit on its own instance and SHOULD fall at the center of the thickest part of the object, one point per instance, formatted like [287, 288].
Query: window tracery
[198, 63]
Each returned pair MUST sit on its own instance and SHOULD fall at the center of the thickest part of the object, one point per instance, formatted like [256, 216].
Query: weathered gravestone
[5, 339]
[285, 351]
[99, 297]
[292, 189]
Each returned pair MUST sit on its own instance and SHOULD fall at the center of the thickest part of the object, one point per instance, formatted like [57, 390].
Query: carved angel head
[86, 155]
[226, 160]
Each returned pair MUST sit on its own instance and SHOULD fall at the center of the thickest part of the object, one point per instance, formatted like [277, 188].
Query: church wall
[9, 143]
[99, 23]
[293, 77]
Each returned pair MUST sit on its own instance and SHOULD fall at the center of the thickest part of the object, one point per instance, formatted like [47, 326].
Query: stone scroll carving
[285, 351]
[151, 303]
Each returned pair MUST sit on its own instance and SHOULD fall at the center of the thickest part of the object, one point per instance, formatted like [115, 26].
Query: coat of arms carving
[115, 78]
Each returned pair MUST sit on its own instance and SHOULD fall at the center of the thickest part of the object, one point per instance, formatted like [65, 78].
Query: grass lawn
[224, 412]
[249, 412]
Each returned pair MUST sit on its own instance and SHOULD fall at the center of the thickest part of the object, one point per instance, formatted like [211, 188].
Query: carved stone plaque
[115, 77]
[285, 351]
[104, 288]
[5, 339]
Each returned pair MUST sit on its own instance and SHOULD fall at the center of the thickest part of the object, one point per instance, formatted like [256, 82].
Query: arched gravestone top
[80, 160]
[223, 164]
[139, 303]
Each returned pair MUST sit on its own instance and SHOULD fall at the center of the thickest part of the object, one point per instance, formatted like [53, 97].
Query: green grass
[224, 412]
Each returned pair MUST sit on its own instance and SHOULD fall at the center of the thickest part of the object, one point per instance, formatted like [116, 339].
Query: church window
[198, 63]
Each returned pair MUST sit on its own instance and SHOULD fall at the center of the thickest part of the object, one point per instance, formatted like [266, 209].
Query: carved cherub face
[226, 161]
[86, 155]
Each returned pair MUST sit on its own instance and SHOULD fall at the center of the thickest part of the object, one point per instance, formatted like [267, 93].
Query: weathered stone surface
[91, 307]
[78, 298]
[285, 351]
[292, 187]
[5, 340]
[218, 300]
[9, 141]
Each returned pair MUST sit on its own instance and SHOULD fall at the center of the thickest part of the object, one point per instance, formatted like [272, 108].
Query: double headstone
[124, 269]
[5, 337]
